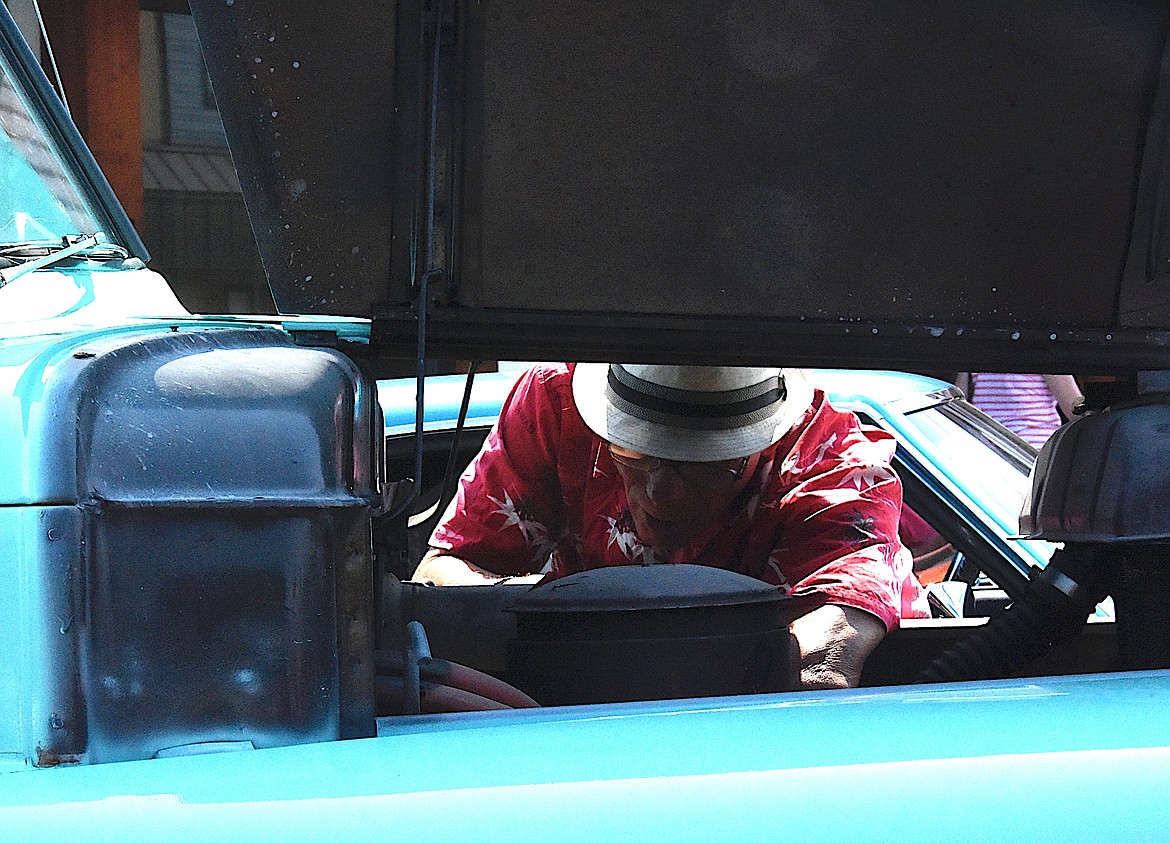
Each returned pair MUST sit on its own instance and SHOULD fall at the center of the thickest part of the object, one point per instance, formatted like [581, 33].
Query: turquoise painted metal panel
[443, 394]
[729, 807]
[834, 766]
[39, 636]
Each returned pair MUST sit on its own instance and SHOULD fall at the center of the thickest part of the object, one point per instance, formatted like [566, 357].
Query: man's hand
[833, 643]
[438, 568]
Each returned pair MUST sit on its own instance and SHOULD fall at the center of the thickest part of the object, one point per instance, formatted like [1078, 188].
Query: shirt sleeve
[508, 515]
[914, 531]
[839, 521]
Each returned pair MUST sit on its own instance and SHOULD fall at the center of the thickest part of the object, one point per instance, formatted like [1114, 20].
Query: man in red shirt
[748, 469]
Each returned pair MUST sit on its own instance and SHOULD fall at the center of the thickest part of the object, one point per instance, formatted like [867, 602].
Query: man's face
[673, 502]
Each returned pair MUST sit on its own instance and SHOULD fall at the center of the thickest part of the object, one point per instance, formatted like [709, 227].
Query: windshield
[988, 462]
[39, 199]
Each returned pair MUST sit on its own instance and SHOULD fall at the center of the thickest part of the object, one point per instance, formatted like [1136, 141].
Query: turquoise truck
[206, 532]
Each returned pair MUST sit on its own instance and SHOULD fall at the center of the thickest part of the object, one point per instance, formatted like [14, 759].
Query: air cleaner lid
[638, 587]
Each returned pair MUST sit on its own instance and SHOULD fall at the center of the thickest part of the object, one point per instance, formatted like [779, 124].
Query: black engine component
[1100, 486]
[1054, 608]
[644, 632]
[1143, 624]
[226, 481]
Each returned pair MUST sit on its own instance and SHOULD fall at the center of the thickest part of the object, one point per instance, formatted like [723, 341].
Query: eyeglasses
[694, 473]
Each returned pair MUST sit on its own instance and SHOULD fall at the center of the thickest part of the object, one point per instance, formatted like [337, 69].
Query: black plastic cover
[1103, 478]
[628, 588]
[640, 632]
[940, 184]
[225, 480]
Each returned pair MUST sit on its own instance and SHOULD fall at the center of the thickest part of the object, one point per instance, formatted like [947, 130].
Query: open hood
[946, 185]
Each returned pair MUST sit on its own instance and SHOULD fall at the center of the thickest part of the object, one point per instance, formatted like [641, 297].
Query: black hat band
[693, 409]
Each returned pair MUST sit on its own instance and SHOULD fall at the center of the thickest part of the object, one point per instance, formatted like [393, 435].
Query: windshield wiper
[40, 254]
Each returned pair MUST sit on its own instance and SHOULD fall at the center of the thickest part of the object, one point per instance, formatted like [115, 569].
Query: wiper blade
[44, 253]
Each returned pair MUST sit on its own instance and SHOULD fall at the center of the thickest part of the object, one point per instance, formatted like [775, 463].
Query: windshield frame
[65, 139]
[1014, 452]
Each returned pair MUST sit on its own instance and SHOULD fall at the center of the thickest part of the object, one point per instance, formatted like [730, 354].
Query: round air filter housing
[1103, 478]
[643, 632]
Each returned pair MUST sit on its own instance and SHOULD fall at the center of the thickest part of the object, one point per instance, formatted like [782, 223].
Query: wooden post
[97, 49]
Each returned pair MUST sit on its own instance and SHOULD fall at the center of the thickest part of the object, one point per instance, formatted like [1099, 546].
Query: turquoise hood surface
[880, 765]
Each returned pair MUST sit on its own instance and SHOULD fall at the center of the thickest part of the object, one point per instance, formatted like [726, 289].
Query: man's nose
[663, 485]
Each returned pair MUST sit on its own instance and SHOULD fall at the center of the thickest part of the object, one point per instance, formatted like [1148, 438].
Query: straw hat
[690, 413]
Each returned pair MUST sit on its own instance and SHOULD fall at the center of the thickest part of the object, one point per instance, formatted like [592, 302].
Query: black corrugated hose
[1053, 609]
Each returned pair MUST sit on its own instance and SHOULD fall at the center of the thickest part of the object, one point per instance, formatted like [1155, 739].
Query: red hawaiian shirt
[818, 519]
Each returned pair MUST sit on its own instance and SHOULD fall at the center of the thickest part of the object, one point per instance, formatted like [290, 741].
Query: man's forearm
[439, 568]
[833, 643]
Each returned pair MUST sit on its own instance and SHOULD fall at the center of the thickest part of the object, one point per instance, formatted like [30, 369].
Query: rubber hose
[1053, 609]
[441, 671]
[477, 682]
[435, 697]
[1006, 643]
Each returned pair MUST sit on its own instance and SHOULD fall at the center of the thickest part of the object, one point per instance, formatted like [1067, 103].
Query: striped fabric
[1021, 403]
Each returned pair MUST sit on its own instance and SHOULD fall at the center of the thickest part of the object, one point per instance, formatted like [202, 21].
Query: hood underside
[927, 184]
